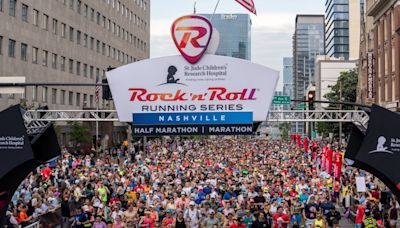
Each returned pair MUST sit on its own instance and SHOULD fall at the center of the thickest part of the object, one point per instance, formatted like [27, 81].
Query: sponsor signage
[196, 94]
[279, 100]
[192, 35]
[192, 118]
[217, 84]
[370, 75]
[230, 129]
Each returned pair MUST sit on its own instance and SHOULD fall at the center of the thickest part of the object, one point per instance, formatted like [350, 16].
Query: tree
[284, 129]
[79, 133]
[349, 81]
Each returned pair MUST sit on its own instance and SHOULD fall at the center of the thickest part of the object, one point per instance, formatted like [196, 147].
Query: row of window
[62, 97]
[89, 12]
[56, 62]
[106, 23]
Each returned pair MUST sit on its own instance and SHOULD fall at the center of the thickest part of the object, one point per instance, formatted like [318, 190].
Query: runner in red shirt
[281, 220]
[359, 215]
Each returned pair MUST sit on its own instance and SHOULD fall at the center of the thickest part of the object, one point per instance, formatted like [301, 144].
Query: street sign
[301, 106]
[279, 100]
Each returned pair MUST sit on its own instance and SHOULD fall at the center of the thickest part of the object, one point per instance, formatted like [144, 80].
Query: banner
[172, 85]
[305, 144]
[337, 165]
[381, 146]
[323, 158]
[370, 75]
[328, 160]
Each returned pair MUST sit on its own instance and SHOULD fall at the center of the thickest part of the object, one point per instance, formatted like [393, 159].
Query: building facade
[327, 72]
[380, 78]
[288, 77]
[342, 25]
[69, 41]
[235, 34]
[308, 42]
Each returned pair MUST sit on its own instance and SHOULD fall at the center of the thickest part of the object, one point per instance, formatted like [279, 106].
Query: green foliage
[79, 133]
[284, 129]
[349, 81]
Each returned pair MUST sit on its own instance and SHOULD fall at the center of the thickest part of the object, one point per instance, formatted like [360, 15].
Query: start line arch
[35, 120]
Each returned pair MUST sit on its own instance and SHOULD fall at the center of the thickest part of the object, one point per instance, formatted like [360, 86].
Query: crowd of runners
[225, 182]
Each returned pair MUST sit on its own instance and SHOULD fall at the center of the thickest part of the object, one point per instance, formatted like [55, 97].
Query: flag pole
[97, 125]
[215, 10]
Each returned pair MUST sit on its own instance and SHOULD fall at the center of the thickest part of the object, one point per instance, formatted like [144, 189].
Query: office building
[342, 25]
[327, 72]
[308, 43]
[69, 41]
[380, 77]
[288, 77]
[235, 34]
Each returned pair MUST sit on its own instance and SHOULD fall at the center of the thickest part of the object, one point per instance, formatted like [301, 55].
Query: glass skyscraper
[288, 77]
[337, 28]
[235, 34]
[342, 25]
[308, 42]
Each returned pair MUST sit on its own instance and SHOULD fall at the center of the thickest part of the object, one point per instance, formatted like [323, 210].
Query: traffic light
[310, 99]
[106, 92]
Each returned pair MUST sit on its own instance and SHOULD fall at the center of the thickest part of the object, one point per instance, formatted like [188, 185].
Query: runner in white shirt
[192, 215]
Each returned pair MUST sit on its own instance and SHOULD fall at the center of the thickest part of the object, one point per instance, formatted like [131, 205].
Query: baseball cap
[192, 203]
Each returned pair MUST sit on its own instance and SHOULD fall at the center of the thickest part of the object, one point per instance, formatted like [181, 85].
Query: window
[91, 102]
[71, 66]
[78, 37]
[62, 97]
[11, 7]
[24, 52]
[98, 18]
[85, 101]
[63, 28]
[78, 68]
[92, 14]
[1, 44]
[85, 40]
[45, 21]
[91, 71]
[71, 34]
[103, 48]
[54, 96]
[45, 55]
[54, 61]
[86, 11]
[78, 6]
[78, 99]
[24, 13]
[71, 98]
[44, 94]
[11, 48]
[71, 4]
[91, 43]
[98, 46]
[62, 66]
[1, 5]
[34, 93]
[35, 17]
[85, 70]
[97, 72]
[55, 25]
[35, 51]
[104, 21]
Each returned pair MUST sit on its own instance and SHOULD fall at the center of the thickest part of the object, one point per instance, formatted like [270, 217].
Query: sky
[272, 29]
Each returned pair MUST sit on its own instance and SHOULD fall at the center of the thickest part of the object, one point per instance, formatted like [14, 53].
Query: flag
[97, 89]
[248, 4]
